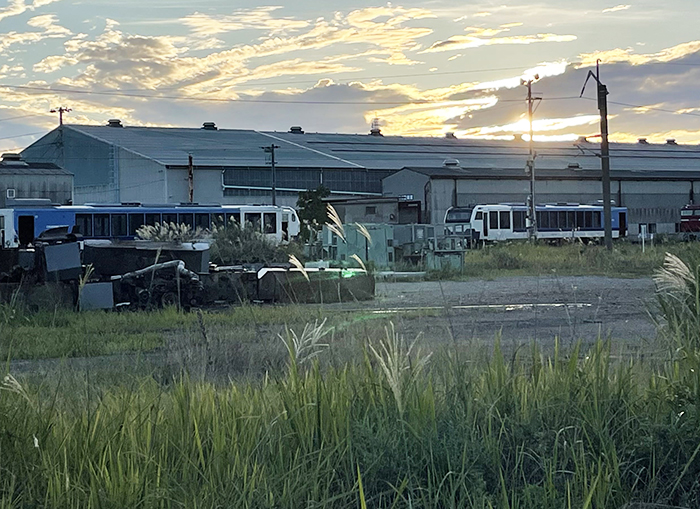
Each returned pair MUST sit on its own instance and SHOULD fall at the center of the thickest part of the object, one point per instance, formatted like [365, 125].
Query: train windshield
[458, 215]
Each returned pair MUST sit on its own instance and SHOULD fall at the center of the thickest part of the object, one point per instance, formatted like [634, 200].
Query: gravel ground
[523, 309]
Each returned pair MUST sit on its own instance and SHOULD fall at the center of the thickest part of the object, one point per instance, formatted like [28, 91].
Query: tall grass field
[394, 426]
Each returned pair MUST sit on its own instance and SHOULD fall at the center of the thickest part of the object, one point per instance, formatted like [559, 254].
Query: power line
[675, 112]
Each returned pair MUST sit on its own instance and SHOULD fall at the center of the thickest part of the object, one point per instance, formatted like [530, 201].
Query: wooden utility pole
[61, 110]
[190, 179]
[604, 151]
[530, 165]
[271, 150]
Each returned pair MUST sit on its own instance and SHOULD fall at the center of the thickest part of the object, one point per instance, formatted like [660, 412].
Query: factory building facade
[21, 180]
[114, 163]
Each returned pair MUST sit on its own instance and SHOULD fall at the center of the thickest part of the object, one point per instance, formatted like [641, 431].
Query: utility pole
[271, 150]
[61, 110]
[604, 151]
[190, 179]
[530, 165]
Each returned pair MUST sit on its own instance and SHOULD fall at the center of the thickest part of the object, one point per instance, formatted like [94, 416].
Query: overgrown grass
[522, 258]
[65, 333]
[528, 432]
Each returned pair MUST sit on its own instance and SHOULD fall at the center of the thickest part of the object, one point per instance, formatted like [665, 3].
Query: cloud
[17, 7]
[467, 42]
[617, 8]
[627, 55]
[259, 18]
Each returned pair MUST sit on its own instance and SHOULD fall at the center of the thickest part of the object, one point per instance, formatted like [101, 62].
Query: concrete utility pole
[61, 110]
[530, 165]
[604, 151]
[190, 179]
[271, 150]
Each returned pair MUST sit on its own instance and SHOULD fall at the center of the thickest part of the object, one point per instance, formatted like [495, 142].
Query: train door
[623, 224]
[285, 226]
[7, 233]
[25, 229]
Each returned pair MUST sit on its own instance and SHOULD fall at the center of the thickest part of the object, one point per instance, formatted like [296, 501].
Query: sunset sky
[422, 68]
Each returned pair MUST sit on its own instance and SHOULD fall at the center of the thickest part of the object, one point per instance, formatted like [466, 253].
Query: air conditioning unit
[11, 193]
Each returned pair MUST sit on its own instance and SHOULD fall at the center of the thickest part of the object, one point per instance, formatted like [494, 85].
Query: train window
[254, 219]
[201, 221]
[234, 217]
[101, 225]
[596, 220]
[83, 224]
[543, 221]
[135, 222]
[518, 220]
[571, 220]
[270, 222]
[170, 218]
[505, 219]
[479, 216]
[588, 219]
[561, 221]
[119, 225]
[152, 219]
[493, 220]
[686, 212]
[187, 219]
[579, 219]
[217, 219]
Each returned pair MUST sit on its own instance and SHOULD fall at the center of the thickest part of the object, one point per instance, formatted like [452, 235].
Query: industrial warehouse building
[117, 163]
[21, 180]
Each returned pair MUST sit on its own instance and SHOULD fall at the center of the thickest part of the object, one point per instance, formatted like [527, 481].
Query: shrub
[234, 245]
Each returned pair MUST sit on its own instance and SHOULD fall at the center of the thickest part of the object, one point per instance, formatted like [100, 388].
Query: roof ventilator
[642, 141]
[450, 135]
[12, 159]
[209, 126]
[114, 122]
[451, 163]
[671, 141]
[574, 166]
[296, 129]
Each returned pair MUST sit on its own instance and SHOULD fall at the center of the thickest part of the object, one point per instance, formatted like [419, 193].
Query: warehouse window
[370, 211]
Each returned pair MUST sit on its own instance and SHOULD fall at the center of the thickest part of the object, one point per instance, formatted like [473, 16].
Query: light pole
[530, 165]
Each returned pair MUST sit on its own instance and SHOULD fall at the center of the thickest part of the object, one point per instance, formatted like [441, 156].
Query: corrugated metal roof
[32, 169]
[242, 148]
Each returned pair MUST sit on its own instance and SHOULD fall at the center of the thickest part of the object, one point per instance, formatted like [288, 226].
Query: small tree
[312, 210]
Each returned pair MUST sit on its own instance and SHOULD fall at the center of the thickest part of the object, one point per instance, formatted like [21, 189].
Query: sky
[420, 68]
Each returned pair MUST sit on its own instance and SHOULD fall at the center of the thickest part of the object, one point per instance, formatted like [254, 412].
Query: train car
[20, 225]
[508, 221]
[690, 221]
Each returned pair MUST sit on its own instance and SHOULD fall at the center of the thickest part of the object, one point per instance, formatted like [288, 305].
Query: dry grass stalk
[306, 346]
[335, 225]
[364, 232]
[295, 261]
[359, 260]
[675, 276]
